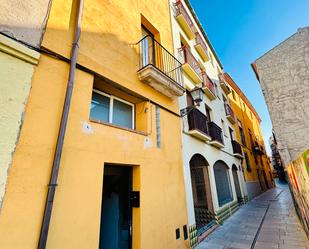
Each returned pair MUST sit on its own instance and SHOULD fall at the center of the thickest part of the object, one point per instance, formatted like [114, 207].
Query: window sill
[118, 127]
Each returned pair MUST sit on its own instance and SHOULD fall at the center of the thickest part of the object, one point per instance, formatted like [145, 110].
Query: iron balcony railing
[215, 132]
[229, 111]
[198, 121]
[153, 53]
[236, 147]
[180, 10]
[256, 148]
[207, 82]
[200, 41]
[187, 57]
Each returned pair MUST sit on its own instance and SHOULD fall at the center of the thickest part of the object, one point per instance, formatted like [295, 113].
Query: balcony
[229, 113]
[201, 47]
[208, 86]
[190, 65]
[224, 85]
[237, 149]
[216, 135]
[256, 149]
[198, 125]
[184, 20]
[159, 69]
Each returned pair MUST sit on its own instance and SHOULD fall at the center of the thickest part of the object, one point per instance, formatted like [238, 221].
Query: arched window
[223, 184]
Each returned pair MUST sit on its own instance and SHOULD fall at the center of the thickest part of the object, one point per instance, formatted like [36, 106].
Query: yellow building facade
[256, 165]
[106, 163]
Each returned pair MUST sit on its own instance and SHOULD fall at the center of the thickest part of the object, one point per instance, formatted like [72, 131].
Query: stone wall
[284, 77]
[24, 20]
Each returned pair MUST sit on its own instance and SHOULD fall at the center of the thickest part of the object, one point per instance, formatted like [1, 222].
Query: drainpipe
[64, 118]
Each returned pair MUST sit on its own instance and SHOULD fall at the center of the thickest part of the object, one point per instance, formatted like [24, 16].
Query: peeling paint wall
[15, 84]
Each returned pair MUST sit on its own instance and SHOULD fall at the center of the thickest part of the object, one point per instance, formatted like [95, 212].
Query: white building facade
[214, 179]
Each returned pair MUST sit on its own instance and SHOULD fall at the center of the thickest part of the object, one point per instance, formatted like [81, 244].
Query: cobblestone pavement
[267, 222]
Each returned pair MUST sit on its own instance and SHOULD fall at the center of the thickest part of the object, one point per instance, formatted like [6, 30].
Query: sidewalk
[267, 222]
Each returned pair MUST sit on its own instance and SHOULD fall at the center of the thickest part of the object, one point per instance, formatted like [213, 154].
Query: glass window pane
[222, 184]
[99, 109]
[122, 114]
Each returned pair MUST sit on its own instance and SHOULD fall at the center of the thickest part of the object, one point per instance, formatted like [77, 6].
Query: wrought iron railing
[198, 121]
[187, 57]
[256, 148]
[180, 10]
[236, 147]
[229, 111]
[153, 53]
[199, 40]
[215, 132]
[207, 82]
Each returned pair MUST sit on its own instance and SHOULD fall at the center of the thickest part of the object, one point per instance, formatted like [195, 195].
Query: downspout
[64, 118]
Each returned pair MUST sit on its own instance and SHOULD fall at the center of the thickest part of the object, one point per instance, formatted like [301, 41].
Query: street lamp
[197, 95]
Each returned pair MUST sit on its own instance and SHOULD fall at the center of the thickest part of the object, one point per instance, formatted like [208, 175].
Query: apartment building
[119, 181]
[283, 74]
[278, 169]
[212, 157]
[256, 165]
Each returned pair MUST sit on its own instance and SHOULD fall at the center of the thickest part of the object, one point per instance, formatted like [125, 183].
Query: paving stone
[281, 228]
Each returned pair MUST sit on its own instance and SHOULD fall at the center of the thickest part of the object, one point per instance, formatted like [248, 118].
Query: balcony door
[147, 47]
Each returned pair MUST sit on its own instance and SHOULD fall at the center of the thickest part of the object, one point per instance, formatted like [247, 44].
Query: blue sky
[243, 30]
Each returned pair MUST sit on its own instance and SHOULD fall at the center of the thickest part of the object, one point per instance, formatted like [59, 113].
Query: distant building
[283, 73]
[276, 159]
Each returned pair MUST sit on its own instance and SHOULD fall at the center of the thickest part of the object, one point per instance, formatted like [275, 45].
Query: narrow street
[269, 221]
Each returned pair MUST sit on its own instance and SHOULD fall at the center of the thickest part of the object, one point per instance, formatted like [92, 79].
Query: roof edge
[203, 31]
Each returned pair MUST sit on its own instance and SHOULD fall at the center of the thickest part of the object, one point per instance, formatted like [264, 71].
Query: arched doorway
[237, 184]
[223, 184]
[203, 207]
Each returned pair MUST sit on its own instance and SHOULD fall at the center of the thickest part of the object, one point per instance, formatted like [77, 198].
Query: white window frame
[111, 105]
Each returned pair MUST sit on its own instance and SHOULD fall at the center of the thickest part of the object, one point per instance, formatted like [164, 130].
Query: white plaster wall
[192, 145]
[15, 84]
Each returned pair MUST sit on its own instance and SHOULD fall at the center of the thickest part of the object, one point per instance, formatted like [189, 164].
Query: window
[231, 133]
[217, 90]
[223, 127]
[251, 115]
[244, 106]
[248, 162]
[211, 59]
[223, 184]
[242, 135]
[233, 94]
[109, 109]
[208, 110]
